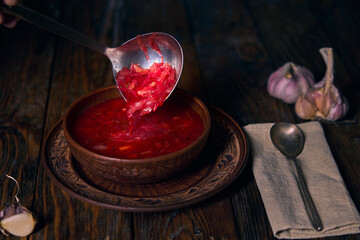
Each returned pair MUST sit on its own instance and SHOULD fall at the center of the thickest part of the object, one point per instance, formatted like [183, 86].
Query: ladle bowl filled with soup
[109, 147]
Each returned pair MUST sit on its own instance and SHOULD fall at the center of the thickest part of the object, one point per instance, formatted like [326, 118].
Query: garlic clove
[339, 109]
[21, 224]
[320, 100]
[289, 81]
[17, 219]
[304, 108]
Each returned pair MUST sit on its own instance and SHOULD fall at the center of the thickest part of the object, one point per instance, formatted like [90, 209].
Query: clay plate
[219, 164]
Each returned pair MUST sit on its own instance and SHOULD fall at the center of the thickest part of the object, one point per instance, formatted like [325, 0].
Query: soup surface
[106, 129]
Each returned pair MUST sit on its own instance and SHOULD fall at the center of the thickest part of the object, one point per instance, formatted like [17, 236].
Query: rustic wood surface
[230, 48]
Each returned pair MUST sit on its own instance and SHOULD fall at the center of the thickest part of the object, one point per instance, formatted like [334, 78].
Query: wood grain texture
[23, 93]
[73, 75]
[230, 48]
[170, 17]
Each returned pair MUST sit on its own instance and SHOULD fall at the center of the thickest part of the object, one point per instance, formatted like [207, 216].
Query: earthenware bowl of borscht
[112, 141]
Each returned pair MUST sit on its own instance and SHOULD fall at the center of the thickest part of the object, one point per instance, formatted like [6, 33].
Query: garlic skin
[324, 101]
[289, 82]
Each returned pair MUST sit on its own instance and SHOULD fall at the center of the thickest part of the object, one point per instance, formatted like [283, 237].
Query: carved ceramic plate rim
[172, 201]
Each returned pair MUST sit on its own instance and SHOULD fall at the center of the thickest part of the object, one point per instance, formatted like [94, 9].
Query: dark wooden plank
[271, 33]
[75, 71]
[341, 25]
[290, 35]
[25, 67]
[234, 63]
[202, 221]
[169, 17]
[230, 48]
[298, 35]
[235, 67]
[325, 24]
[211, 219]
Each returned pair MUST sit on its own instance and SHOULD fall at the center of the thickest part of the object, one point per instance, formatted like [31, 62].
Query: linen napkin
[277, 182]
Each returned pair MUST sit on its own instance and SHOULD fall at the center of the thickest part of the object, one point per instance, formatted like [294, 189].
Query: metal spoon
[129, 52]
[289, 139]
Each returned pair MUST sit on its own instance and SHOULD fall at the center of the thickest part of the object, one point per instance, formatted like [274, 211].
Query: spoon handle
[51, 25]
[309, 204]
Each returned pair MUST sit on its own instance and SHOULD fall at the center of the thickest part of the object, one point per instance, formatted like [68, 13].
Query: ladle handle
[51, 25]
[309, 204]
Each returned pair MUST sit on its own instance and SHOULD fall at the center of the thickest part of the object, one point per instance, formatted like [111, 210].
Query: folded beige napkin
[276, 179]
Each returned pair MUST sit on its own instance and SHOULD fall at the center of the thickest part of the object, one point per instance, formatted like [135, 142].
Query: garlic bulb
[289, 82]
[324, 101]
[16, 219]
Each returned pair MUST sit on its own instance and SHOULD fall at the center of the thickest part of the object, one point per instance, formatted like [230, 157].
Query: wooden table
[230, 49]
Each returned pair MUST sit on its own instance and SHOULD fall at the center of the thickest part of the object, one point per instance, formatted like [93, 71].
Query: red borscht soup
[106, 129]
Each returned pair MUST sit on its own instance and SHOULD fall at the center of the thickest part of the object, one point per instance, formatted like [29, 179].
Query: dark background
[230, 49]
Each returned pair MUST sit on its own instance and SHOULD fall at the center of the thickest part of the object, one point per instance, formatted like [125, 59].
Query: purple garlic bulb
[289, 82]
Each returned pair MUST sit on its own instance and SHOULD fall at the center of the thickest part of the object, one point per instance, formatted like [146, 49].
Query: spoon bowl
[169, 50]
[289, 140]
[143, 50]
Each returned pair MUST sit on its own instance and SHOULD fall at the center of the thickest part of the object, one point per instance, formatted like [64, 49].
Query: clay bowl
[107, 172]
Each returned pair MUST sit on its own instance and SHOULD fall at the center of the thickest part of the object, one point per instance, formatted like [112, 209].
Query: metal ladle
[289, 139]
[129, 52]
